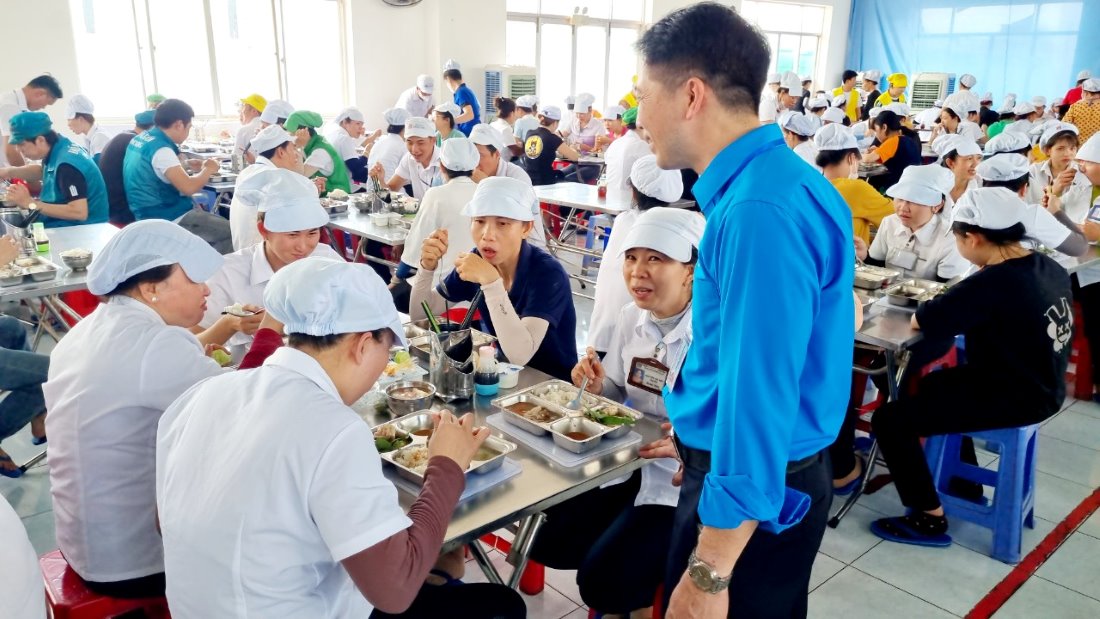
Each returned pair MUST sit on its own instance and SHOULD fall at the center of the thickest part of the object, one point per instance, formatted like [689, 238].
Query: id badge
[647, 374]
[902, 259]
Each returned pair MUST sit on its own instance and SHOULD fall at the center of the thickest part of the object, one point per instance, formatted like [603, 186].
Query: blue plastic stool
[1014, 484]
[598, 226]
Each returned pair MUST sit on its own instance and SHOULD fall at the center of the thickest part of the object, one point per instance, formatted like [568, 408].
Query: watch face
[701, 576]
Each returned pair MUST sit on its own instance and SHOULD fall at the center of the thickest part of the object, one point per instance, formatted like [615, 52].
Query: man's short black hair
[714, 43]
[849, 75]
[1015, 184]
[171, 110]
[395, 129]
[86, 117]
[48, 83]
[453, 74]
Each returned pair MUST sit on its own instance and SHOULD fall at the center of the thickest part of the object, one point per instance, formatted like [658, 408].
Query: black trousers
[470, 601]
[135, 588]
[772, 577]
[1089, 297]
[962, 399]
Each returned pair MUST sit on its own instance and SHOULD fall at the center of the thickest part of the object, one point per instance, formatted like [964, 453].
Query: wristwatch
[33, 206]
[705, 576]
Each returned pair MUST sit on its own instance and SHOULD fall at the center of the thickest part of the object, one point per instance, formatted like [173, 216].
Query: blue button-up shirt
[766, 380]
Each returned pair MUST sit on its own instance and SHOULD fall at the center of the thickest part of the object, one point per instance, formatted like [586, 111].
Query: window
[576, 46]
[793, 31]
[212, 51]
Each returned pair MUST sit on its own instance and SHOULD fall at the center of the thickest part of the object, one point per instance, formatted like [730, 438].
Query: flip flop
[38, 441]
[897, 530]
[12, 473]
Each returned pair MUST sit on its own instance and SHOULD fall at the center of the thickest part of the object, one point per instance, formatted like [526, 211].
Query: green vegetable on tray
[602, 417]
[221, 357]
[384, 445]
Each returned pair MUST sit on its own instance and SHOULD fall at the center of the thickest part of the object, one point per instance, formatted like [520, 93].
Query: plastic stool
[1013, 482]
[67, 597]
[598, 225]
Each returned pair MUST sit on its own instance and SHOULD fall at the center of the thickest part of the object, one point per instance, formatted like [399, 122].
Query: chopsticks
[470, 312]
[432, 322]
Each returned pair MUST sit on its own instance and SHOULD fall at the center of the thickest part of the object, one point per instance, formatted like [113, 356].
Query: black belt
[699, 459]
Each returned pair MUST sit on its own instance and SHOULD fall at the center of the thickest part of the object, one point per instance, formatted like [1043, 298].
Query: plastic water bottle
[486, 380]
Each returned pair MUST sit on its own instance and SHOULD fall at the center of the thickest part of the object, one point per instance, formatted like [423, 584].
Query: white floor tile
[852, 594]
[980, 539]
[1076, 565]
[852, 537]
[550, 604]
[580, 613]
[1074, 427]
[884, 501]
[1041, 598]
[41, 532]
[1055, 497]
[825, 567]
[29, 494]
[565, 583]
[1092, 525]
[952, 578]
[1086, 407]
[1069, 461]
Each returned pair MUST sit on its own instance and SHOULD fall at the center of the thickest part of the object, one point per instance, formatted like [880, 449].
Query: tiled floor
[856, 574]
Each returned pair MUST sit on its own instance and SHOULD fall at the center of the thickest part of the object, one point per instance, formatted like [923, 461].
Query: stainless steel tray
[35, 269]
[410, 424]
[536, 395]
[873, 278]
[538, 428]
[913, 292]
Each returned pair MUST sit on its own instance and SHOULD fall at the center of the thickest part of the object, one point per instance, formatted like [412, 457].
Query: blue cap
[147, 244]
[28, 126]
[321, 296]
[146, 117]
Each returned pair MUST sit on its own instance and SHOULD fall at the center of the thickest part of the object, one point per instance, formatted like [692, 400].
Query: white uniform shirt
[96, 140]
[242, 217]
[769, 107]
[387, 150]
[620, 157]
[1043, 227]
[442, 208]
[245, 135]
[1089, 275]
[110, 380]
[934, 244]
[12, 102]
[586, 134]
[636, 336]
[243, 279]
[506, 132]
[1075, 198]
[21, 592]
[420, 177]
[524, 126]
[970, 130]
[808, 152]
[611, 291]
[322, 161]
[347, 147]
[926, 119]
[414, 103]
[290, 485]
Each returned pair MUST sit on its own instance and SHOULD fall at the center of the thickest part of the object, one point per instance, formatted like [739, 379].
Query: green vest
[64, 151]
[148, 196]
[997, 128]
[340, 177]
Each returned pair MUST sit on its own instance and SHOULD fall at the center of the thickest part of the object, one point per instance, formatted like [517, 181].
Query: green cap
[156, 97]
[303, 118]
[146, 117]
[630, 116]
[28, 126]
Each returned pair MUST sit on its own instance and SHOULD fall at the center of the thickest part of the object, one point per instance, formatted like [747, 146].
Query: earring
[154, 299]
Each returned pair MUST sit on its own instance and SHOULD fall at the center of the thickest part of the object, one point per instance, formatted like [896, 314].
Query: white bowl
[380, 219]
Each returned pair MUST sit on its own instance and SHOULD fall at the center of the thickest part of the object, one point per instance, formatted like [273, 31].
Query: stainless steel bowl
[77, 263]
[12, 280]
[594, 431]
[405, 406]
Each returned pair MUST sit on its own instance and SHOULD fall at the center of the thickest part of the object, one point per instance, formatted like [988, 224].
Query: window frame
[821, 33]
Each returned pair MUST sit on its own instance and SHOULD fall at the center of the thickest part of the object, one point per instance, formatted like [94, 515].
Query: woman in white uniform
[798, 131]
[1058, 174]
[82, 122]
[650, 187]
[390, 148]
[623, 152]
[110, 380]
[961, 156]
[621, 529]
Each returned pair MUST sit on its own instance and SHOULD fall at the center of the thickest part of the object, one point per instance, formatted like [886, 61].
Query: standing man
[250, 109]
[36, 95]
[871, 93]
[769, 102]
[81, 117]
[762, 394]
[417, 101]
[847, 89]
[110, 165]
[464, 98]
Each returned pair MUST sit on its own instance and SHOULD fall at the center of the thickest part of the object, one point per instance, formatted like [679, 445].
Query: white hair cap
[1003, 167]
[992, 208]
[276, 109]
[835, 137]
[459, 155]
[395, 116]
[147, 244]
[419, 127]
[926, 185]
[651, 180]
[672, 231]
[502, 196]
[968, 80]
[1007, 142]
[836, 115]
[486, 136]
[287, 199]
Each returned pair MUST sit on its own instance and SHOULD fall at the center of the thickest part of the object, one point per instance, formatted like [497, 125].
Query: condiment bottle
[486, 381]
[41, 240]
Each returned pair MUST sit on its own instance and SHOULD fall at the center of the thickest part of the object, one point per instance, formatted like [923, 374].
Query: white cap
[349, 113]
[818, 103]
[899, 108]
[612, 112]
[992, 208]
[449, 107]
[395, 116]
[459, 155]
[960, 106]
[1007, 104]
[1039, 101]
[80, 104]
[583, 103]
[272, 136]
[321, 296]
[451, 64]
[651, 180]
[964, 147]
[938, 103]
[502, 196]
[988, 96]
[569, 100]
[835, 115]
[419, 127]
[807, 78]
[872, 75]
[1007, 142]
[527, 101]
[1003, 167]
[1023, 108]
[151, 243]
[425, 83]
[1090, 150]
[1091, 85]
[551, 111]
[840, 101]
[671, 231]
[287, 199]
[1084, 74]
[485, 135]
[276, 109]
[968, 80]
[923, 184]
[797, 122]
[774, 78]
[835, 137]
[1053, 129]
[791, 82]
[875, 111]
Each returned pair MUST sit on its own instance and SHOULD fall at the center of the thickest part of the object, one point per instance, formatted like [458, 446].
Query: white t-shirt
[322, 161]
[12, 102]
[242, 217]
[345, 145]
[387, 150]
[926, 119]
[1075, 198]
[934, 244]
[1043, 227]
[420, 177]
[111, 377]
[245, 135]
[21, 592]
[587, 134]
[525, 125]
[970, 130]
[808, 152]
[611, 291]
[620, 157]
[243, 279]
[290, 484]
[163, 160]
[96, 141]
[414, 103]
[769, 108]
[442, 207]
[506, 133]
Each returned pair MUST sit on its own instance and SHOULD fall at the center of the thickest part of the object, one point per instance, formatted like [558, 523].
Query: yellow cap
[255, 101]
[898, 80]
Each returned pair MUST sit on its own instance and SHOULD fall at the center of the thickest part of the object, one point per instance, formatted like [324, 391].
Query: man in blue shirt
[465, 99]
[764, 386]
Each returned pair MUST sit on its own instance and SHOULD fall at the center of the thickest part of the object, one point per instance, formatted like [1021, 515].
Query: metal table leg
[33, 461]
[521, 546]
[482, 558]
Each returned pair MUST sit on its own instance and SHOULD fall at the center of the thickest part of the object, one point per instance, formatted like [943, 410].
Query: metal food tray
[913, 292]
[42, 271]
[872, 278]
[416, 421]
[334, 207]
[532, 394]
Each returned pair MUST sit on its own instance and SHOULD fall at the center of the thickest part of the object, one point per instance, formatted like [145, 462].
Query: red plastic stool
[67, 597]
[81, 301]
[1080, 380]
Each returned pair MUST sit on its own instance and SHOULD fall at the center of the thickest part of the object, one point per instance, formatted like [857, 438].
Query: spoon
[575, 403]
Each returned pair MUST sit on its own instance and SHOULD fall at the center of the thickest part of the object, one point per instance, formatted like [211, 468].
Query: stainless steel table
[223, 191]
[1090, 259]
[542, 483]
[359, 224]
